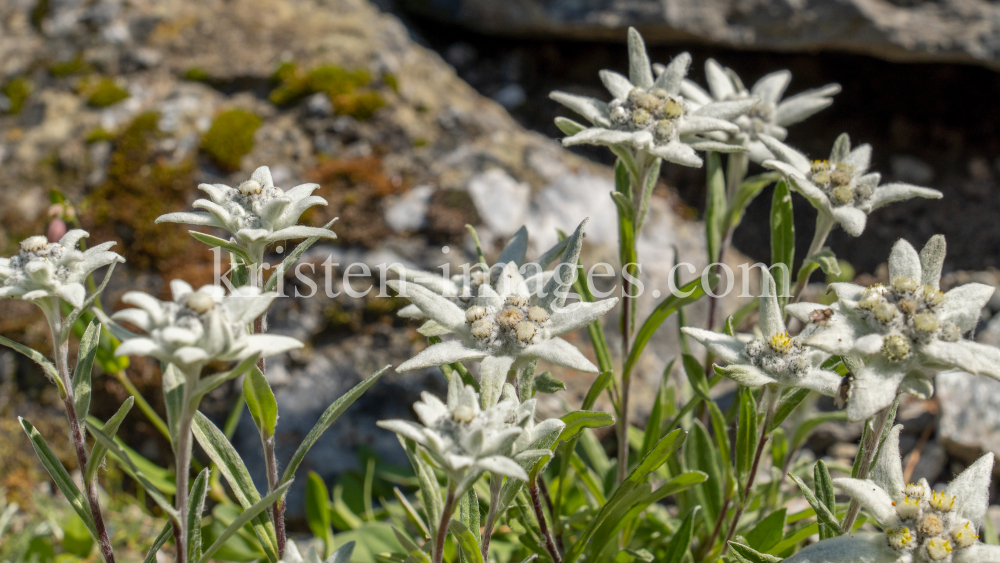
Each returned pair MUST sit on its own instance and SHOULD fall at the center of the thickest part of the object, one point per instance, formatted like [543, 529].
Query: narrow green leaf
[260, 401]
[681, 541]
[84, 365]
[246, 516]
[751, 555]
[824, 259]
[328, 417]
[343, 554]
[221, 243]
[47, 367]
[173, 397]
[60, 476]
[715, 205]
[782, 234]
[779, 447]
[291, 259]
[601, 383]
[576, 421]
[113, 448]
[318, 511]
[700, 454]
[466, 541]
[568, 126]
[824, 515]
[468, 512]
[430, 490]
[647, 192]
[165, 535]
[624, 205]
[239, 274]
[746, 434]
[662, 311]
[412, 514]
[745, 194]
[658, 414]
[803, 430]
[196, 507]
[826, 495]
[696, 376]
[657, 456]
[789, 401]
[768, 532]
[721, 433]
[207, 384]
[99, 451]
[546, 383]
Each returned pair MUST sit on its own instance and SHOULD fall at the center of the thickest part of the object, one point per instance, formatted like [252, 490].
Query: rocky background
[416, 120]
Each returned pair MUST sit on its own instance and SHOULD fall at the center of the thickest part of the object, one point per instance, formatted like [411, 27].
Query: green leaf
[825, 495]
[715, 205]
[824, 515]
[803, 430]
[84, 365]
[787, 404]
[824, 259]
[625, 207]
[721, 433]
[113, 448]
[466, 541]
[696, 376]
[239, 275]
[99, 451]
[779, 447]
[546, 383]
[328, 417]
[291, 259]
[746, 434]
[568, 126]
[343, 553]
[768, 532]
[667, 307]
[681, 541]
[468, 512]
[196, 507]
[700, 454]
[749, 554]
[173, 397]
[231, 247]
[661, 407]
[60, 476]
[745, 194]
[76, 537]
[246, 516]
[47, 367]
[601, 383]
[318, 511]
[647, 191]
[657, 456]
[260, 401]
[412, 514]
[207, 384]
[430, 490]
[576, 421]
[231, 466]
[782, 235]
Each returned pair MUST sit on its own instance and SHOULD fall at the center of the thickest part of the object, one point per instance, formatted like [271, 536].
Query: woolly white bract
[918, 525]
[651, 116]
[503, 329]
[46, 271]
[841, 189]
[256, 213]
[904, 332]
[770, 116]
[776, 359]
[199, 326]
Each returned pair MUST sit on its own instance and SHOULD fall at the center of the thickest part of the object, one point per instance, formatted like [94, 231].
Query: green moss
[347, 89]
[98, 135]
[196, 74]
[230, 138]
[106, 93]
[390, 80]
[68, 68]
[17, 91]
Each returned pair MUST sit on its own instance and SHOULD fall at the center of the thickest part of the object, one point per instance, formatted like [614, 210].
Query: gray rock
[510, 96]
[951, 30]
[408, 212]
[970, 414]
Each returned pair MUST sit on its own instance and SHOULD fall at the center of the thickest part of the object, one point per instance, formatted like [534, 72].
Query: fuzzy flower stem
[543, 527]
[61, 353]
[868, 450]
[442, 531]
[182, 457]
[544, 490]
[491, 516]
[824, 225]
[769, 400]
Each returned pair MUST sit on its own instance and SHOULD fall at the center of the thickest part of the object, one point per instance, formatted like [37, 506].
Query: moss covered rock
[230, 138]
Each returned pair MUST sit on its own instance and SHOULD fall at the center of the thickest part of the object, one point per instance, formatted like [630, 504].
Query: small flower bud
[34, 244]
[525, 331]
[964, 535]
[474, 313]
[925, 322]
[250, 187]
[896, 347]
[933, 297]
[941, 501]
[843, 194]
[905, 284]
[463, 413]
[659, 93]
[899, 538]
[819, 166]
[863, 191]
[509, 318]
[619, 116]
[938, 549]
[664, 129]
[482, 328]
[538, 315]
[885, 311]
[909, 508]
[672, 109]
[930, 525]
[840, 178]
[648, 102]
[640, 117]
[950, 332]
[918, 491]
[517, 300]
[200, 302]
[781, 343]
[634, 94]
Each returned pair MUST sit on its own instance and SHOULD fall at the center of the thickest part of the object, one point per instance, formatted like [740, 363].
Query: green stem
[491, 516]
[868, 449]
[442, 531]
[824, 225]
[543, 527]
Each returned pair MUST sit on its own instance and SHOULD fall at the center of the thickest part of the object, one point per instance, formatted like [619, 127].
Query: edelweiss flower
[460, 436]
[841, 189]
[770, 115]
[53, 270]
[776, 359]
[651, 116]
[256, 213]
[906, 331]
[918, 525]
[199, 326]
[464, 288]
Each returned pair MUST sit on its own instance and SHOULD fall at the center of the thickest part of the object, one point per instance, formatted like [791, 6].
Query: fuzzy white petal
[857, 547]
[560, 353]
[433, 305]
[972, 490]
[440, 354]
[727, 348]
[578, 315]
[872, 498]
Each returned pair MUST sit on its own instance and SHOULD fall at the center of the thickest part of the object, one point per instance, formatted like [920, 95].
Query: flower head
[53, 270]
[199, 326]
[905, 331]
[460, 437]
[840, 188]
[651, 116]
[917, 524]
[776, 358]
[770, 116]
[256, 213]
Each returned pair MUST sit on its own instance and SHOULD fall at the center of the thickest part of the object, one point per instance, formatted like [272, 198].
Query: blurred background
[419, 116]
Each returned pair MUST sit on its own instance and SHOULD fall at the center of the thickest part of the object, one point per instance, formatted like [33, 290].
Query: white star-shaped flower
[45, 270]
[256, 213]
[650, 115]
[770, 116]
[905, 331]
[199, 326]
[918, 525]
[776, 359]
[841, 189]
